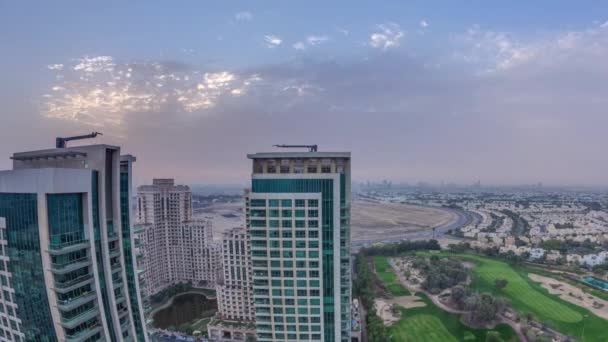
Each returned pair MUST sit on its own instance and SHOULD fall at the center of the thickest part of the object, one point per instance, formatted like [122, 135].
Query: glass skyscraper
[66, 258]
[299, 223]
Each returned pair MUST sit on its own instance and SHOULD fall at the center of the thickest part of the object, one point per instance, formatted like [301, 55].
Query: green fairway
[431, 324]
[527, 296]
[421, 328]
[520, 290]
[389, 278]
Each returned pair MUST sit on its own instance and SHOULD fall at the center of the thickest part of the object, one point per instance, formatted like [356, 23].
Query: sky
[505, 92]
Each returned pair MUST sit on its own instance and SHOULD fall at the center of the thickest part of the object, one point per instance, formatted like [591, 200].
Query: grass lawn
[431, 324]
[527, 296]
[389, 278]
[201, 325]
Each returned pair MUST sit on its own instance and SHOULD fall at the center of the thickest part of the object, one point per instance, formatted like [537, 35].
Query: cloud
[243, 16]
[55, 66]
[604, 25]
[549, 104]
[424, 24]
[299, 46]
[343, 31]
[494, 51]
[315, 40]
[99, 91]
[387, 36]
[272, 41]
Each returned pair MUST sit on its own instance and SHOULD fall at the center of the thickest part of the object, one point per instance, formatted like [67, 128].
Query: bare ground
[371, 220]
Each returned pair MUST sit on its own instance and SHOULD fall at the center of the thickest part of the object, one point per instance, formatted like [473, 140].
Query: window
[258, 202]
[273, 203]
[286, 203]
[300, 203]
[286, 223]
[313, 203]
[286, 213]
[313, 213]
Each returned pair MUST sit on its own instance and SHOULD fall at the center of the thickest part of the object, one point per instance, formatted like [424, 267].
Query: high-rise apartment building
[66, 262]
[234, 289]
[299, 225]
[177, 248]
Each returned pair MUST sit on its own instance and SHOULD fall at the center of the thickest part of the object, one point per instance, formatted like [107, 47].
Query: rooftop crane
[61, 142]
[311, 148]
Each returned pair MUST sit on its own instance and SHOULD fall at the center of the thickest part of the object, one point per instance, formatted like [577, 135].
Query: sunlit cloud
[272, 41]
[99, 91]
[387, 36]
[424, 24]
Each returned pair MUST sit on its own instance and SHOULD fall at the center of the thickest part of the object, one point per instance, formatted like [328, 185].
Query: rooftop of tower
[297, 155]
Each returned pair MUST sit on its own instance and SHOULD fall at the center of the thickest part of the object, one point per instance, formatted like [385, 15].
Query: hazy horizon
[506, 93]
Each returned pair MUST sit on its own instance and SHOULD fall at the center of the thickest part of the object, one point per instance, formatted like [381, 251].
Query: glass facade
[128, 251]
[99, 255]
[21, 213]
[326, 188]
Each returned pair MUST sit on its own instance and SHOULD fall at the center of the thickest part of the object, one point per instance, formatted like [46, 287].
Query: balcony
[114, 252]
[72, 322]
[112, 236]
[73, 284]
[66, 267]
[83, 334]
[67, 247]
[116, 266]
[72, 303]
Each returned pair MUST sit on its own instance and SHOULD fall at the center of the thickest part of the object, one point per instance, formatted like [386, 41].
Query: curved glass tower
[67, 267]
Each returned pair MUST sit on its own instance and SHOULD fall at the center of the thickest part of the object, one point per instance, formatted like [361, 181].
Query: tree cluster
[439, 273]
[363, 287]
[482, 308]
[394, 249]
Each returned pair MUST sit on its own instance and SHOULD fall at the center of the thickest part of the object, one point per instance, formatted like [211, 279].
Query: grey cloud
[540, 119]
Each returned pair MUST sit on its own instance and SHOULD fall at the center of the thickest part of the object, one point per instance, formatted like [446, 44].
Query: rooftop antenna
[311, 148]
[61, 142]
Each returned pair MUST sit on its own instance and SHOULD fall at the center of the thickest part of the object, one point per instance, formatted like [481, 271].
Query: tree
[493, 336]
[501, 283]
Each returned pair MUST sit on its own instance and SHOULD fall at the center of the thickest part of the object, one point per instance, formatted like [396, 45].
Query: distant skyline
[503, 92]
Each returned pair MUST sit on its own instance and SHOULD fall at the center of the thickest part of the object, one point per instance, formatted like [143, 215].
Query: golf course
[389, 278]
[528, 297]
[431, 324]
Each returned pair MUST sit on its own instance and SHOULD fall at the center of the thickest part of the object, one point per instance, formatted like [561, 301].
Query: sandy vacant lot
[371, 220]
[573, 295]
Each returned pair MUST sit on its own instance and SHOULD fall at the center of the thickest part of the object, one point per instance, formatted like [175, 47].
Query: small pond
[185, 308]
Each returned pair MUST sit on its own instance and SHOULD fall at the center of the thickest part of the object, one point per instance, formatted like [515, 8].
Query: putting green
[418, 328]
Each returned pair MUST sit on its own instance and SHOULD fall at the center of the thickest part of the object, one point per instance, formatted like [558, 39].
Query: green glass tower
[67, 262]
[299, 223]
